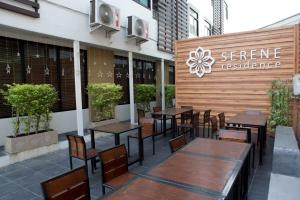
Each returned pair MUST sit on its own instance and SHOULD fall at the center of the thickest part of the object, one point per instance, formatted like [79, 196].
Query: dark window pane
[121, 76]
[10, 68]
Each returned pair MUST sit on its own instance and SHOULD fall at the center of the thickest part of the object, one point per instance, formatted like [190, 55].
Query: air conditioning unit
[105, 16]
[138, 29]
[296, 84]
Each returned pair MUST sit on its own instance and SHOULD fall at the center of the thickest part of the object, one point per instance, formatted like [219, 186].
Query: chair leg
[128, 145]
[92, 165]
[153, 144]
[71, 162]
[86, 163]
[103, 190]
[203, 130]
[253, 162]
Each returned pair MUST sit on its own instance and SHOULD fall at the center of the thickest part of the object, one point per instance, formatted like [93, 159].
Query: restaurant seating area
[118, 171]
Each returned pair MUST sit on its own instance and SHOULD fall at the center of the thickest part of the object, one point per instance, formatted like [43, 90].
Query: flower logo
[200, 62]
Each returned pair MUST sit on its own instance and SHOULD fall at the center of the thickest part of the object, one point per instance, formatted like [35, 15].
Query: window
[207, 28]
[145, 3]
[31, 62]
[143, 73]
[193, 23]
[171, 74]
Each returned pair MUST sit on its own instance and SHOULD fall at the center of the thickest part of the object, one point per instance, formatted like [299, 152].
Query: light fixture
[7, 65]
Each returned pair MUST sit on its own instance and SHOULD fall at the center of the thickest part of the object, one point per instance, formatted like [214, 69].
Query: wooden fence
[245, 65]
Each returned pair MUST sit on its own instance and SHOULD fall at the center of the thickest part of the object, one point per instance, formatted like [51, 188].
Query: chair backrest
[206, 116]
[187, 117]
[238, 128]
[157, 109]
[196, 117]
[221, 120]
[141, 114]
[214, 124]
[177, 143]
[114, 162]
[77, 146]
[71, 185]
[148, 126]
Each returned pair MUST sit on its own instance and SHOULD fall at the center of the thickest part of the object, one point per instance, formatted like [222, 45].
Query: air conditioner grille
[106, 14]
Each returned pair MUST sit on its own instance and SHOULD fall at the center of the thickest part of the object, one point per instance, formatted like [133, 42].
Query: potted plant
[143, 95]
[279, 94]
[170, 95]
[31, 111]
[103, 99]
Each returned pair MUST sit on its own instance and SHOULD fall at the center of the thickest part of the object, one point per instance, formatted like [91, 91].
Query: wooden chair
[141, 114]
[214, 127]
[157, 117]
[71, 185]
[190, 124]
[114, 163]
[205, 120]
[77, 149]
[148, 131]
[221, 120]
[177, 143]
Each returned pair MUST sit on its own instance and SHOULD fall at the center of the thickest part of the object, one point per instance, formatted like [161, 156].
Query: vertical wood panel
[235, 90]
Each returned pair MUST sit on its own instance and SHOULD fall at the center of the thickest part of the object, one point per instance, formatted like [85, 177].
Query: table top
[250, 118]
[116, 128]
[146, 189]
[204, 169]
[173, 111]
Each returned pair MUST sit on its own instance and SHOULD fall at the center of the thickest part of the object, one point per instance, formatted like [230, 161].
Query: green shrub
[143, 94]
[104, 97]
[170, 94]
[279, 95]
[31, 106]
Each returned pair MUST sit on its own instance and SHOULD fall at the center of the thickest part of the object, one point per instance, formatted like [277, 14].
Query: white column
[131, 88]
[77, 75]
[163, 102]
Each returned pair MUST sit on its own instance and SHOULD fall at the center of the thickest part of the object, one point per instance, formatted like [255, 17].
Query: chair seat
[92, 153]
[233, 135]
[120, 180]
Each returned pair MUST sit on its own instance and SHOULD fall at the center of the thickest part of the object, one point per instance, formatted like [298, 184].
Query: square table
[116, 129]
[253, 119]
[204, 169]
[172, 112]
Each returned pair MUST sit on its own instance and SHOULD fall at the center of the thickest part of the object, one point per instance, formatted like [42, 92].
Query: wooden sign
[233, 72]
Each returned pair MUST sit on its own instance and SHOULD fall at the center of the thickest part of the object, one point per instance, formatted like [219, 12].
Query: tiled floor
[22, 180]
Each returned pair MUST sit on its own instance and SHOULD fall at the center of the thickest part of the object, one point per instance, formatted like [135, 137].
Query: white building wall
[61, 22]
[70, 20]
[205, 11]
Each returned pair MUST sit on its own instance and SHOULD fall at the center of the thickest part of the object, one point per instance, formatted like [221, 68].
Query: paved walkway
[22, 180]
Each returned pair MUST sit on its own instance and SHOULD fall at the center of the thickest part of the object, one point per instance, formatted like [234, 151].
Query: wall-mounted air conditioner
[104, 16]
[138, 29]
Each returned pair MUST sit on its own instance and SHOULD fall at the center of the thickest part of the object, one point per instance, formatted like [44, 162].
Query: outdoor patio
[22, 180]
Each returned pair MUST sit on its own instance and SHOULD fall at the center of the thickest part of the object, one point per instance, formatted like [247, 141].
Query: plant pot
[29, 142]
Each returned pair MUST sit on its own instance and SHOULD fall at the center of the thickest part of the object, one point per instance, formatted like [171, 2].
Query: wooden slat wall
[234, 91]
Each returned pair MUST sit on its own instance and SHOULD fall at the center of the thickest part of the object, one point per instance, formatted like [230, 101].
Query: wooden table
[116, 129]
[172, 112]
[253, 119]
[204, 169]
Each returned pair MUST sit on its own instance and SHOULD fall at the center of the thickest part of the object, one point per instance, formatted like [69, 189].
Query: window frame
[139, 2]
[193, 17]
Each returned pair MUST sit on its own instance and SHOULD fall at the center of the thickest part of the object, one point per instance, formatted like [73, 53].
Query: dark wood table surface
[204, 169]
[116, 129]
[172, 112]
[254, 119]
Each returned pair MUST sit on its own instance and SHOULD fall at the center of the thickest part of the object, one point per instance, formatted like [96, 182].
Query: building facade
[52, 41]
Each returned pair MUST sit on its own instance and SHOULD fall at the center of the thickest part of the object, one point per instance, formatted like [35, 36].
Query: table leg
[141, 146]
[265, 135]
[164, 124]
[174, 126]
[92, 133]
[261, 144]
[117, 139]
